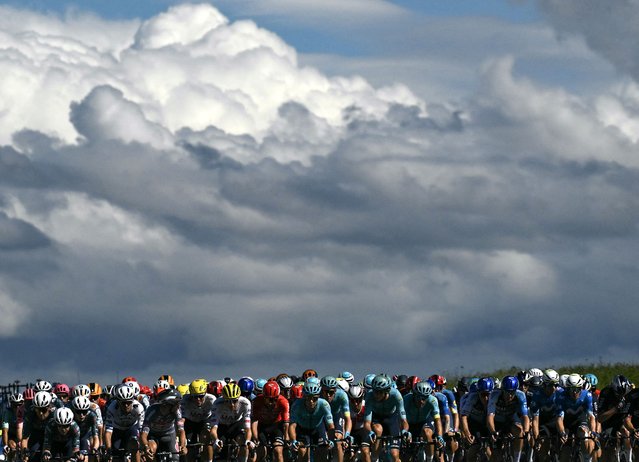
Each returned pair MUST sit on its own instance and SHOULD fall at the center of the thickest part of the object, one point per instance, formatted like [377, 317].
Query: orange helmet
[96, 389]
[309, 373]
[168, 378]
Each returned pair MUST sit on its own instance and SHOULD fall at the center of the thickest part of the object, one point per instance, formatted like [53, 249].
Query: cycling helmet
[28, 394]
[215, 388]
[170, 396]
[129, 379]
[535, 381]
[197, 387]
[271, 389]
[42, 399]
[463, 384]
[472, 388]
[621, 385]
[412, 381]
[400, 381]
[63, 416]
[161, 385]
[368, 381]
[356, 392]
[96, 389]
[523, 377]
[485, 384]
[185, 389]
[43, 385]
[438, 380]
[314, 380]
[309, 373]
[61, 389]
[423, 389]
[311, 389]
[297, 391]
[430, 382]
[591, 379]
[329, 382]
[16, 398]
[259, 385]
[123, 392]
[81, 390]
[342, 383]
[109, 390]
[575, 381]
[550, 377]
[246, 384]
[509, 383]
[350, 378]
[231, 391]
[168, 378]
[135, 386]
[285, 382]
[81, 403]
[535, 372]
[562, 380]
[381, 383]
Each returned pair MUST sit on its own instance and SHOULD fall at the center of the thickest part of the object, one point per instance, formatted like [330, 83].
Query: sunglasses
[127, 403]
[329, 392]
[83, 412]
[357, 400]
[233, 401]
[199, 396]
[64, 427]
[312, 398]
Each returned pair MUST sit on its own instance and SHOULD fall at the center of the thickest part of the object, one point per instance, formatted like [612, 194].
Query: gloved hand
[372, 436]
[46, 455]
[330, 444]
[406, 435]
[440, 441]
[295, 445]
[250, 444]
[219, 444]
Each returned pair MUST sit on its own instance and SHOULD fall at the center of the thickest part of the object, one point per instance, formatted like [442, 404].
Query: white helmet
[124, 392]
[81, 390]
[42, 399]
[535, 372]
[81, 403]
[285, 382]
[575, 381]
[63, 416]
[550, 377]
[43, 385]
[135, 386]
[161, 385]
[562, 380]
[356, 392]
[342, 383]
[16, 398]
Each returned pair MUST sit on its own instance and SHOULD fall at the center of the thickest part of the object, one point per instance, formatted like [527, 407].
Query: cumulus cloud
[198, 194]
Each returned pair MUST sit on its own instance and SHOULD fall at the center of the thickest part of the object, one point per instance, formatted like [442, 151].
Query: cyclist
[197, 407]
[124, 418]
[631, 422]
[508, 413]
[285, 383]
[62, 392]
[84, 390]
[474, 415]
[169, 379]
[87, 422]
[340, 410]
[359, 435]
[422, 413]
[247, 386]
[612, 410]
[308, 373]
[35, 422]
[451, 430]
[163, 427]
[62, 437]
[385, 415]
[231, 420]
[543, 411]
[311, 423]
[270, 421]
[11, 429]
[575, 415]
[350, 378]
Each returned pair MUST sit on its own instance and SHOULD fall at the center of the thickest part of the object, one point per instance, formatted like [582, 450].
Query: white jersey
[191, 410]
[223, 413]
[98, 414]
[118, 419]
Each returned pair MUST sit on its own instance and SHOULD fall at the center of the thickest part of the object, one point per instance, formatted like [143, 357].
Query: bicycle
[546, 452]
[165, 456]
[415, 451]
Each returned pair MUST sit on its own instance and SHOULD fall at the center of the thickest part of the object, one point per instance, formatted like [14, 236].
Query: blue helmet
[485, 384]
[347, 376]
[381, 383]
[591, 379]
[329, 382]
[314, 380]
[368, 381]
[509, 383]
[423, 389]
[259, 384]
[246, 384]
[311, 388]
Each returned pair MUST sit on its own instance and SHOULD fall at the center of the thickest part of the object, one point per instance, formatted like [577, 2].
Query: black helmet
[169, 395]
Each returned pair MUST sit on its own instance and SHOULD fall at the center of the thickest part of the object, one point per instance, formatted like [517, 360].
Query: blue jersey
[311, 419]
[339, 404]
[473, 408]
[544, 406]
[420, 415]
[574, 411]
[383, 409]
[452, 403]
[442, 402]
[505, 410]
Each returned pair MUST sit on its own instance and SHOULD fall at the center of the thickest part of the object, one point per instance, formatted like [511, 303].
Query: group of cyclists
[534, 414]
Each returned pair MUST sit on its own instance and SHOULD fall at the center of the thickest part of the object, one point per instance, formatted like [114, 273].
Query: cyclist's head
[621, 385]
[509, 384]
[231, 391]
[309, 373]
[271, 389]
[381, 383]
[197, 387]
[422, 389]
[63, 416]
[81, 390]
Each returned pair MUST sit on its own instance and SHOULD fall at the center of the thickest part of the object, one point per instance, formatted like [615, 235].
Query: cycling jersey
[394, 405]
[358, 419]
[34, 426]
[88, 426]
[53, 436]
[505, 411]
[98, 414]
[223, 413]
[444, 410]
[10, 418]
[159, 423]
[415, 414]
[267, 415]
[197, 411]
[311, 419]
[608, 400]
[450, 398]
[543, 405]
[121, 420]
[575, 412]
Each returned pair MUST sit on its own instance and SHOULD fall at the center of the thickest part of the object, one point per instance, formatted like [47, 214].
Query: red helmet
[296, 391]
[28, 394]
[61, 389]
[271, 389]
[146, 390]
[412, 380]
[215, 388]
[438, 380]
[129, 379]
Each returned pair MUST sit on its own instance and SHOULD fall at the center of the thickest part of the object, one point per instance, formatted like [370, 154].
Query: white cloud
[13, 315]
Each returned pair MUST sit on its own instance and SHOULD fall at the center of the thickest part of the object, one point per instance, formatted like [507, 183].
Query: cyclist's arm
[292, 431]
[490, 423]
[438, 426]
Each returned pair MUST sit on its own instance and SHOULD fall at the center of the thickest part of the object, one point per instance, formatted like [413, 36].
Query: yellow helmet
[183, 388]
[198, 387]
[231, 391]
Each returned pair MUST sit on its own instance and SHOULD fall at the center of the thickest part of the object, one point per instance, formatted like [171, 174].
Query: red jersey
[266, 415]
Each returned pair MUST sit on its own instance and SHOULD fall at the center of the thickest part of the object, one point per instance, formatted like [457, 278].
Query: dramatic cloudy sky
[257, 186]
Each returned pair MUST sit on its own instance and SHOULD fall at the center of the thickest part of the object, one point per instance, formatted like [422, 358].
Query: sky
[244, 187]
